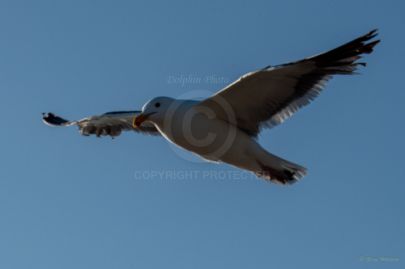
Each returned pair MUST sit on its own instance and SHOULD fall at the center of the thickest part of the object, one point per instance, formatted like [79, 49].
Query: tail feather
[281, 171]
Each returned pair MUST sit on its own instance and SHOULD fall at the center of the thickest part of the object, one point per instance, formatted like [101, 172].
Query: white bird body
[225, 126]
[185, 125]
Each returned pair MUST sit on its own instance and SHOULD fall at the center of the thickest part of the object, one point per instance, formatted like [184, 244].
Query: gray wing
[107, 124]
[267, 97]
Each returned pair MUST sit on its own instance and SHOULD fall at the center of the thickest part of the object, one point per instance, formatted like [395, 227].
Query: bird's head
[153, 111]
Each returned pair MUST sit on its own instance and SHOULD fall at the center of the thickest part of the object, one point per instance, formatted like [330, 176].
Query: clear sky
[68, 201]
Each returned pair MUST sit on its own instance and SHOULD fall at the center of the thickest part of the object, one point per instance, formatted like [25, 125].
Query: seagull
[224, 128]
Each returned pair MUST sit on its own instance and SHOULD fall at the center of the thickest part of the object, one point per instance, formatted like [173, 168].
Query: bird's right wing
[107, 124]
[267, 97]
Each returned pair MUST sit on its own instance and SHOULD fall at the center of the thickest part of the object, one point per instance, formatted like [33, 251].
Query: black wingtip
[370, 35]
[368, 47]
[343, 59]
[372, 44]
[53, 120]
[373, 33]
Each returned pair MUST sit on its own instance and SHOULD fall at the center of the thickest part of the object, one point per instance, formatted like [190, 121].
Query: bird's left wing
[269, 96]
[107, 124]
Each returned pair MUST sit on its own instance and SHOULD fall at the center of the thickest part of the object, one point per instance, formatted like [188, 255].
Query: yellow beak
[138, 120]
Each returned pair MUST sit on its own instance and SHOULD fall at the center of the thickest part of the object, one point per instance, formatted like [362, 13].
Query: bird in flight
[224, 127]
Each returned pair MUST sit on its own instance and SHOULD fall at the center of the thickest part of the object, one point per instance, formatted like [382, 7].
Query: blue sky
[68, 201]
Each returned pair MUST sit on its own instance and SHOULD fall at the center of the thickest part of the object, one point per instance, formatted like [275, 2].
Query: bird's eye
[157, 104]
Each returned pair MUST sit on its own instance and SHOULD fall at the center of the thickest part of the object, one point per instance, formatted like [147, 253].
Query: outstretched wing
[267, 97]
[110, 123]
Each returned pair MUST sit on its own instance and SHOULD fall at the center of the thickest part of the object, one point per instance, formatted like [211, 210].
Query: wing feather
[268, 96]
[107, 124]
